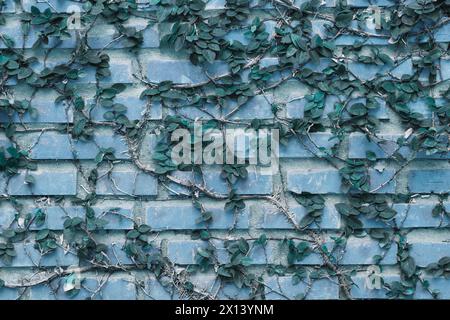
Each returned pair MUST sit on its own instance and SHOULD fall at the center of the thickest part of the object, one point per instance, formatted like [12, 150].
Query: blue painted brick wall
[127, 196]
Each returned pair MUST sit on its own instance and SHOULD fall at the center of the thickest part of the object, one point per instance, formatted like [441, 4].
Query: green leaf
[357, 109]
[133, 234]
[42, 234]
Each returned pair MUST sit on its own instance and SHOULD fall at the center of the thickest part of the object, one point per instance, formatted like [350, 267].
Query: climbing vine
[274, 29]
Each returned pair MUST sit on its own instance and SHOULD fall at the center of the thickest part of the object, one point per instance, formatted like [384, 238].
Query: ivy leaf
[344, 18]
[408, 266]
[306, 221]
[133, 234]
[357, 109]
[29, 179]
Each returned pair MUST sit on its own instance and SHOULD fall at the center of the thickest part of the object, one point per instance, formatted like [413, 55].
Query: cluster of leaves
[355, 175]
[51, 25]
[314, 205]
[441, 268]
[14, 159]
[14, 65]
[297, 251]
[201, 36]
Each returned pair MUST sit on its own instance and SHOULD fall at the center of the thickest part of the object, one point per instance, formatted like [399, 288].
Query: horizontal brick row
[416, 215]
[277, 288]
[114, 289]
[323, 181]
[303, 146]
[283, 287]
[384, 147]
[258, 181]
[48, 111]
[272, 218]
[121, 68]
[429, 250]
[175, 215]
[181, 215]
[59, 146]
[295, 109]
[50, 181]
[99, 37]
[28, 256]
[359, 251]
[126, 182]
[364, 289]
[429, 181]
[118, 218]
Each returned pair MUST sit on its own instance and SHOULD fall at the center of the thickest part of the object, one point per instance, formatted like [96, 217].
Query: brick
[104, 35]
[118, 289]
[231, 292]
[135, 107]
[28, 256]
[114, 289]
[428, 251]
[368, 71]
[126, 182]
[182, 71]
[119, 218]
[51, 112]
[56, 292]
[359, 145]
[48, 111]
[274, 219]
[302, 149]
[121, 72]
[368, 26]
[282, 288]
[54, 145]
[324, 181]
[258, 107]
[212, 111]
[9, 294]
[182, 215]
[59, 180]
[7, 217]
[362, 287]
[429, 181]
[295, 108]
[442, 34]
[439, 284]
[360, 251]
[257, 182]
[410, 216]
[55, 217]
[184, 176]
[117, 256]
[157, 291]
[183, 252]
[348, 40]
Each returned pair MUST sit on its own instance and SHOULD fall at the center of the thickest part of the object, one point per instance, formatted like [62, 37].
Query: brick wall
[126, 195]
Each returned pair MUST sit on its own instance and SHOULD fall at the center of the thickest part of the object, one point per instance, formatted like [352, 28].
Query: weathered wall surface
[364, 116]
